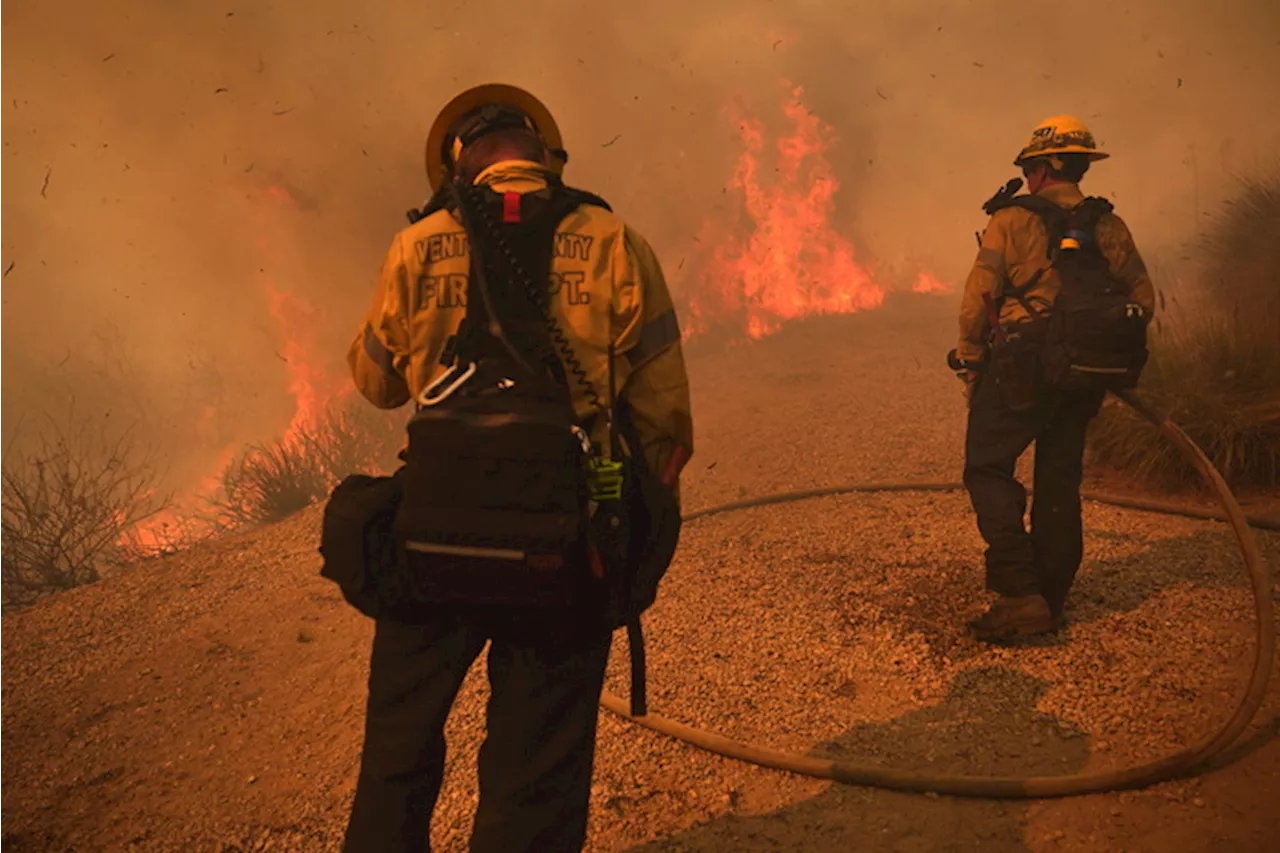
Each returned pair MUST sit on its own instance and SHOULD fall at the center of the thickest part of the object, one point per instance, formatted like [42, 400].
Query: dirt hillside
[214, 700]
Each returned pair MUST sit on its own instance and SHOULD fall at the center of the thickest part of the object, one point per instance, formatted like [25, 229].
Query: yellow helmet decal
[1064, 134]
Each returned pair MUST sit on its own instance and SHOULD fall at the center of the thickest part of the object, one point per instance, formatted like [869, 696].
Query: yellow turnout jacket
[1015, 246]
[606, 285]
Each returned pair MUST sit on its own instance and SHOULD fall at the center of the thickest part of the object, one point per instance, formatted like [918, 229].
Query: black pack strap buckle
[450, 353]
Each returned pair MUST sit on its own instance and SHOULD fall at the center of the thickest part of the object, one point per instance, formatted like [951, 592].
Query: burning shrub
[68, 505]
[1215, 364]
[270, 482]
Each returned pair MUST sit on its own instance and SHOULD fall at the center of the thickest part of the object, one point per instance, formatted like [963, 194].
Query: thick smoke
[141, 138]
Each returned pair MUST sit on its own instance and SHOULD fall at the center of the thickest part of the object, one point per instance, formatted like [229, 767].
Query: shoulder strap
[1039, 205]
[572, 196]
[1086, 214]
[1054, 217]
[1055, 222]
[442, 199]
[1008, 197]
[558, 205]
[1020, 294]
[1083, 217]
[1046, 210]
[584, 197]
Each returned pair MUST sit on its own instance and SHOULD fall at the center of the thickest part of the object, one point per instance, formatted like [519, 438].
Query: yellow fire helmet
[1060, 135]
[486, 105]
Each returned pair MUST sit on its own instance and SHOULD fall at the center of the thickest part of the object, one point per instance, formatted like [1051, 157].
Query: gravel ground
[213, 700]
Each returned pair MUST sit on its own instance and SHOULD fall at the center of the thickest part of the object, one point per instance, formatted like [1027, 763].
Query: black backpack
[1094, 337]
[494, 504]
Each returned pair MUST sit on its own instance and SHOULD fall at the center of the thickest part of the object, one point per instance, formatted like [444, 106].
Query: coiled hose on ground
[1032, 786]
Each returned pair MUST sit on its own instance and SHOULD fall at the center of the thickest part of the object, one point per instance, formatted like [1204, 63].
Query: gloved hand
[964, 371]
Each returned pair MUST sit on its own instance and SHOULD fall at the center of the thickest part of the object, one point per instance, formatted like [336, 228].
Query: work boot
[1012, 617]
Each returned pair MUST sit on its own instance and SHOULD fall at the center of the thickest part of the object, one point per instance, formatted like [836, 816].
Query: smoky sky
[141, 137]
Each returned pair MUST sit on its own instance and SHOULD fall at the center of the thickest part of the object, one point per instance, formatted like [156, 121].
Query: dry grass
[1215, 365]
[272, 481]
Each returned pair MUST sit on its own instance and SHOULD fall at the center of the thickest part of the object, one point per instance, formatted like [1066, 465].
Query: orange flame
[927, 283]
[180, 525]
[310, 384]
[792, 263]
[785, 261]
[314, 389]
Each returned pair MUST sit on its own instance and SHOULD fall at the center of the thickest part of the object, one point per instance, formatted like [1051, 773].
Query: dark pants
[1045, 560]
[546, 672]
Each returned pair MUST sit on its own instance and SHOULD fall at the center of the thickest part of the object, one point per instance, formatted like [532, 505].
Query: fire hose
[1180, 763]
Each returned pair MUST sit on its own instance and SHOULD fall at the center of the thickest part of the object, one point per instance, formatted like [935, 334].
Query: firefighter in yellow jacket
[1013, 276]
[606, 294]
